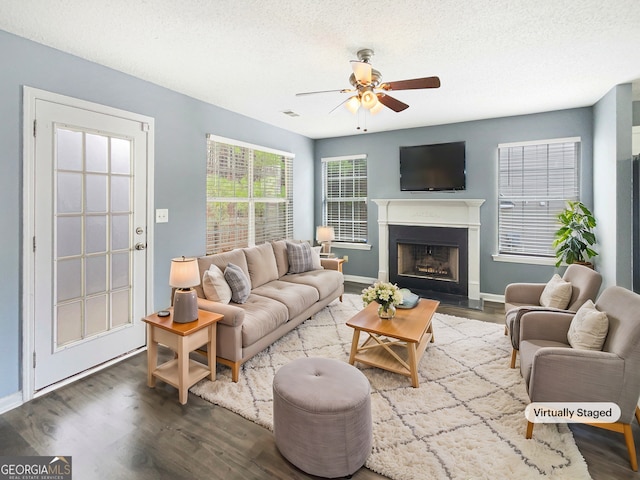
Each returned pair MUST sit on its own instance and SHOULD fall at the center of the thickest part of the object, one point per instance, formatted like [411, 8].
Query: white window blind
[535, 181]
[344, 205]
[249, 194]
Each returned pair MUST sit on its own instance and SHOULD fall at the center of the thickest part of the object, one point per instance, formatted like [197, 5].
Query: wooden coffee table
[396, 345]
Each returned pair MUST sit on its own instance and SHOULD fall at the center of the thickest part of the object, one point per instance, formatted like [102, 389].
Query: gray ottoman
[322, 416]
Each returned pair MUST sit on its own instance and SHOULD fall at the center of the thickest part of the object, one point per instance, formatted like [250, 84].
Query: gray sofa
[278, 301]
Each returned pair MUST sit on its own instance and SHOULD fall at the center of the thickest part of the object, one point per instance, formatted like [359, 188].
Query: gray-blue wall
[482, 139]
[180, 164]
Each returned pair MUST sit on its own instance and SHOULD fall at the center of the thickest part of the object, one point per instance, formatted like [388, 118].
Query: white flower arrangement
[383, 293]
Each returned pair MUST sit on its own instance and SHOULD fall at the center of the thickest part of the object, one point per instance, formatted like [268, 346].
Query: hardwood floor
[115, 427]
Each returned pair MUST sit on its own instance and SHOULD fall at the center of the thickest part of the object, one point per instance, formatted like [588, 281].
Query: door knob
[140, 246]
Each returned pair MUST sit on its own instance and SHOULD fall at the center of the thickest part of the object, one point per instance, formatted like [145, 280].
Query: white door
[90, 234]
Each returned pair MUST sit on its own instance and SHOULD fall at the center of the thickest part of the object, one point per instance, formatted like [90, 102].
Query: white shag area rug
[466, 421]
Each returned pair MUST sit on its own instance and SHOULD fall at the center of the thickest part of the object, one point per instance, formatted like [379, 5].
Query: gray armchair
[520, 298]
[555, 372]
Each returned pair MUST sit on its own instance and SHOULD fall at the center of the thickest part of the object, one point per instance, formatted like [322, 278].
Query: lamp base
[185, 306]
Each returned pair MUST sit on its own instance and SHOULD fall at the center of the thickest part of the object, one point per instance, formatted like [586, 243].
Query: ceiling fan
[370, 93]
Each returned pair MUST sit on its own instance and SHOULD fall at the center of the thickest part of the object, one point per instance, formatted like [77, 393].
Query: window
[344, 197]
[535, 181]
[249, 194]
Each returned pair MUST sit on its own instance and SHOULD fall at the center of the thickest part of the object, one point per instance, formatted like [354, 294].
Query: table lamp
[184, 274]
[324, 235]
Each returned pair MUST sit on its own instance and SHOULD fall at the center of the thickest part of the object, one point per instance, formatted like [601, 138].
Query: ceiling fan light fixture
[369, 99]
[353, 104]
[376, 108]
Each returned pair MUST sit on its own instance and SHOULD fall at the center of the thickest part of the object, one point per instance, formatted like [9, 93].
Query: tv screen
[433, 167]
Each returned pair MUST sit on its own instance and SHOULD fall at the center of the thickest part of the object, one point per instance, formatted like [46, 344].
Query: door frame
[30, 96]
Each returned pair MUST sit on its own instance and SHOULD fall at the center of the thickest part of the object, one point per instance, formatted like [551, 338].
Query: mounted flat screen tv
[433, 167]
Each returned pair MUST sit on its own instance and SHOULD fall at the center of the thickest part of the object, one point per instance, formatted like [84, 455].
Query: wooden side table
[182, 338]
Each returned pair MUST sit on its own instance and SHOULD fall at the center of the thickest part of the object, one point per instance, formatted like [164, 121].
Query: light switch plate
[162, 215]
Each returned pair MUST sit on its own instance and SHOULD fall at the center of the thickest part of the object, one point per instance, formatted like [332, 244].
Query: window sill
[524, 259]
[351, 246]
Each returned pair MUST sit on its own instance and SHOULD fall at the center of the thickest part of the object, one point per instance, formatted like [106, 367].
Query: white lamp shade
[369, 99]
[325, 233]
[353, 104]
[184, 273]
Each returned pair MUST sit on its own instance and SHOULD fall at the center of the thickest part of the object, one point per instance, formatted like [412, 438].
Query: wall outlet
[162, 215]
[345, 258]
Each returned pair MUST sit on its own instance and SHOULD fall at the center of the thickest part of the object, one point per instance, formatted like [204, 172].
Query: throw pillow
[215, 286]
[589, 327]
[317, 263]
[300, 257]
[557, 293]
[238, 282]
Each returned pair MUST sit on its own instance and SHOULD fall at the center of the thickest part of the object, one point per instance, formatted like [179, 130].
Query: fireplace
[429, 258]
[443, 216]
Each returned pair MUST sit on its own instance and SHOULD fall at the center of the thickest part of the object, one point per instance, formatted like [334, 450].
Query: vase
[386, 311]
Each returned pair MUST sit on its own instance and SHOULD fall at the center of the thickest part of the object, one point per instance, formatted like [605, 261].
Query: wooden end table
[182, 338]
[396, 345]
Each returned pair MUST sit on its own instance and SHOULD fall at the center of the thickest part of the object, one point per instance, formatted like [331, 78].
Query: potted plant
[575, 237]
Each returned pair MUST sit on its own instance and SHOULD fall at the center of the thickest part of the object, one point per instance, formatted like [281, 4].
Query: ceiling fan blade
[362, 72]
[393, 103]
[413, 84]
[342, 90]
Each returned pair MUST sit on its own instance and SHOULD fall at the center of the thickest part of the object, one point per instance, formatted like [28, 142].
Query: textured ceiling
[494, 57]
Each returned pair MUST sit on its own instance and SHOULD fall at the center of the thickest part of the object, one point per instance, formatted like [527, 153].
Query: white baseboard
[492, 297]
[10, 402]
[358, 279]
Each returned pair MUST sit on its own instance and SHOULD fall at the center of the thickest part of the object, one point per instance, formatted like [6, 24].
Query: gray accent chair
[520, 298]
[555, 372]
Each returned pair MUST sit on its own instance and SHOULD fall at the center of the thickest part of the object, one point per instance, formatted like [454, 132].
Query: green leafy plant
[575, 237]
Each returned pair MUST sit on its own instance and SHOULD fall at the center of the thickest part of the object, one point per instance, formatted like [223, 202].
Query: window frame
[250, 199]
[360, 234]
[537, 257]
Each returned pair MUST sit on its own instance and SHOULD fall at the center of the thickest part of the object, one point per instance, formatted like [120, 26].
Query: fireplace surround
[448, 213]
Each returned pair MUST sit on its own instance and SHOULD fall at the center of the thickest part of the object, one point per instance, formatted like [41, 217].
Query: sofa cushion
[282, 259]
[261, 263]
[300, 257]
[324, 281]
[296, 297]
[221, 260]
[557, 293]
[589, 327]
[315, 257]
[215, 286]
[262, 315]
[239, 283]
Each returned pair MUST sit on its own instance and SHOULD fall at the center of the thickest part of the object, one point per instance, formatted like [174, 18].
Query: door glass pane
[69, 323]
[68, 149]
[120, 308]
[119, 270]
[97, 153]
[69, 236]
[120, 232]
[96, 193]
[120, 156]
[96, 275]
[120, 191]
[69, 189]
[96, 315]
[69, 279]
[96, 234]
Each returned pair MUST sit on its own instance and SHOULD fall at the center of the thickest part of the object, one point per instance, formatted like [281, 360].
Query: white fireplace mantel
[452, 213]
